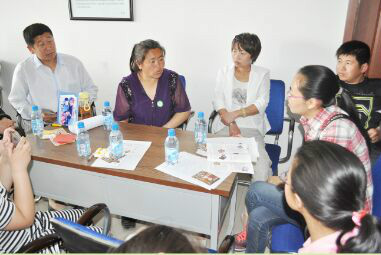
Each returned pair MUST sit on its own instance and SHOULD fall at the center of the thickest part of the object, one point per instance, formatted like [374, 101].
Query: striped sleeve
[7, 208]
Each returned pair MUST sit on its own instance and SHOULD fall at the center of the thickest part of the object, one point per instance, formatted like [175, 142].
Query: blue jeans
[267, 208]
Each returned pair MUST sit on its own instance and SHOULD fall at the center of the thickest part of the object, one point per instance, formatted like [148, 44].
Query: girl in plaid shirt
[313, 96]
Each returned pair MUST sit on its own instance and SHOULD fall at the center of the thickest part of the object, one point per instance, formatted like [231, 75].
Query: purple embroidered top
[133, 104]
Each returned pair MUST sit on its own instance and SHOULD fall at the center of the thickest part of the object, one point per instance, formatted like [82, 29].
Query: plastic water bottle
[171, 146]
[83, 141]
[107, 116]
[200, 131]
[36, 121]
[116, 142]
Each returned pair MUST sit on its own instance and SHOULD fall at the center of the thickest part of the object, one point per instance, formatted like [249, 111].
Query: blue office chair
[85, 220]
[289, 238]
[275, 115]
[376, 176]
[185, 124]
[79, 239]
[286, 238]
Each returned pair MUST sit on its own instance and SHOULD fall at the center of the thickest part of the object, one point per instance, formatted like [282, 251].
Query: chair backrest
[78, 238]
[182, 79]
[376, 176]
[275, 108]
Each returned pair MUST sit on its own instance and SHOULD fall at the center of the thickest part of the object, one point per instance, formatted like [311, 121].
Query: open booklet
[232, 154]
[232, 149]
[196, 170]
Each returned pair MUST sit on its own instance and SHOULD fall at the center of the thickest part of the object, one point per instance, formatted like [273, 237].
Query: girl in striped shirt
[19, 224]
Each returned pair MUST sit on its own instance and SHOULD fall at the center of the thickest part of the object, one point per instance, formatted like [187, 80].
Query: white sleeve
[219, 96]
[18, 97]
[262, 99]
[87, 83]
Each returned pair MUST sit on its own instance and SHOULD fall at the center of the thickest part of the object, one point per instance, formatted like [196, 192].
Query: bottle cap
[171, 132]
[106, 104]
[81, 124]
[34, 108]
[115, 126]
[200, 115]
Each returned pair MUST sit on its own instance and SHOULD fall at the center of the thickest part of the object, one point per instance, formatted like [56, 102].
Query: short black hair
[358, 49]
[250, 43]
[34, 30]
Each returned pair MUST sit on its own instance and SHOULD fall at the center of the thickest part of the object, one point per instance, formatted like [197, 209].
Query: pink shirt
[342, 132]
[325, 244]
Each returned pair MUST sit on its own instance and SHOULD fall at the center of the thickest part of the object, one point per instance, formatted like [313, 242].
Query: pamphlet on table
[133, 152]
[196, 170]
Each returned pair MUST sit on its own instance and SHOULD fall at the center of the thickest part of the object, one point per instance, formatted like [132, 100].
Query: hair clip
[357, 217]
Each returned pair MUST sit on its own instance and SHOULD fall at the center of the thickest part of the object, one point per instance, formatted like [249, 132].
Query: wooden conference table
[145, 193]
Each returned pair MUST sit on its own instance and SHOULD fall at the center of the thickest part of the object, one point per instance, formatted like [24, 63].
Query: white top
[34, 83]
[257, 93]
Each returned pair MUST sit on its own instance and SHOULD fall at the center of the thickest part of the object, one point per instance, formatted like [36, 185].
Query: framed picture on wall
[118, 10]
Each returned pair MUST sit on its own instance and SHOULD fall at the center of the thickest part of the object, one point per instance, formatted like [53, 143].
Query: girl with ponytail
[327, 185]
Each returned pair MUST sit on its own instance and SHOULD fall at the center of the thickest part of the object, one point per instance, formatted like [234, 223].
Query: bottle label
[172, 155]
[117, 149]
[37, 126]
[200, 134]
[108, 121]
[84, 149]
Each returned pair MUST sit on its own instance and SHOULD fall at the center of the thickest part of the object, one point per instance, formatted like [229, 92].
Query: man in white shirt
[39, 79]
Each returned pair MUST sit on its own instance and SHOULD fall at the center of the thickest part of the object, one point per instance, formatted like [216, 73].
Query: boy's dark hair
[34, 30]
[157, 239]
[358, 49]
[250, 43]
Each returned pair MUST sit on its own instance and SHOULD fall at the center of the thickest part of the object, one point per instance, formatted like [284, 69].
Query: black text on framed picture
[118, 10]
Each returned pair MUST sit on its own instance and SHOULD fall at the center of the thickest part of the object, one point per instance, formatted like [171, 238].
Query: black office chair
[85, 220]
[275, 115]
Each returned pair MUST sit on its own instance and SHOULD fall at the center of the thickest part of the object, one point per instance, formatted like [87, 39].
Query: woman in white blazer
[241, 97]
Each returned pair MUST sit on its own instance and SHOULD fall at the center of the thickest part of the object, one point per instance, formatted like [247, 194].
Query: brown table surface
[66, 155]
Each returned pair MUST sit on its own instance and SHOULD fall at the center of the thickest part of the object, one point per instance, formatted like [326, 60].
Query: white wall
[196, 34]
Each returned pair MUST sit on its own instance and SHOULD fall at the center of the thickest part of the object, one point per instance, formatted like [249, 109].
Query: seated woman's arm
[177, 119]
[6, 178]
[23, 215]
[182, 107]
[122, 108]
[257, 103]
[229, 117]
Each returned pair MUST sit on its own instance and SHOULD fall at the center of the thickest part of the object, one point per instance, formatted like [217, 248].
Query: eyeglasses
[240, 52]
[292, 96]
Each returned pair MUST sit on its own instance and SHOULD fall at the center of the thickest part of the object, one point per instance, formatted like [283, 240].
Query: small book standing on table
[67, 112]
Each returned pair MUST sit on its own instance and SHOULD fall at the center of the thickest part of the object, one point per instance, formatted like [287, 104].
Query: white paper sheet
[246, 168]
[90, 123]
[188, 166]
[134, 152]
[232, 149]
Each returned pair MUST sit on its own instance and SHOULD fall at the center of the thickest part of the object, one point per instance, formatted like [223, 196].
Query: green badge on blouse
[160, 103]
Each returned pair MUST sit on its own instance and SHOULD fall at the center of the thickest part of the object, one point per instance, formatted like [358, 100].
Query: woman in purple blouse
[151, 95]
